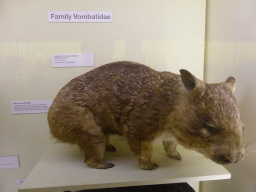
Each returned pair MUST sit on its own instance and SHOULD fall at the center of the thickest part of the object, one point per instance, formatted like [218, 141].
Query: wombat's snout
[230, 158]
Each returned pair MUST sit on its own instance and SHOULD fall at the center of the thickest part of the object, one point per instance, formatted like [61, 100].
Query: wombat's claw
[102, 165]
[110, 148]
[175, 155]
[147, 165]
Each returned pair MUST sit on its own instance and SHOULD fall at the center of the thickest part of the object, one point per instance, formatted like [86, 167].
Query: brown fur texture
[133, 100]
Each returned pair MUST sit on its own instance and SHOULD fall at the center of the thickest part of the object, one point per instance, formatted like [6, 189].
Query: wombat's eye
[212, 130]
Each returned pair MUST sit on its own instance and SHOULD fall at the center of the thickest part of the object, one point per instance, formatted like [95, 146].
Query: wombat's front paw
[110, 148]
[170, 148]
[175, 155]
[102, 165]
[147, 165]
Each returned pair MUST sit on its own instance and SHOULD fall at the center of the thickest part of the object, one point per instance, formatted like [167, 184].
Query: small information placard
[80, 16]
[73, 60]
[32, 106]
[9, 162]
[20, 181]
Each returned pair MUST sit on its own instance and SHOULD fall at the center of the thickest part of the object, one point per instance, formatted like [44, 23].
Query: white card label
[80, 16]
[20, 181]
[73, 59]
[9, 162]
[32, 106]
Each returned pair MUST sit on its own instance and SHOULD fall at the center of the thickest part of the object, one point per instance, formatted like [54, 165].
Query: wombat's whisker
[250, 151]
[248, 144]
[248, 154]
[247, 160]
[247, 151]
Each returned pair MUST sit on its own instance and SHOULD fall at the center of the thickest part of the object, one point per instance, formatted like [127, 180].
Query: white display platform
[62, 168]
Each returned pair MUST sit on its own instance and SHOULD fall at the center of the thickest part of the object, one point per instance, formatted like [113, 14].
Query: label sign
[20, 181]
[80, 16]
[9, 162]
[72, 60]
[32, 106]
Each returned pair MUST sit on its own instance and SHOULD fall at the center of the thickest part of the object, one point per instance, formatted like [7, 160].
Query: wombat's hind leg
[170, 148]
[92, 141]
[108, 146]
[94, 151]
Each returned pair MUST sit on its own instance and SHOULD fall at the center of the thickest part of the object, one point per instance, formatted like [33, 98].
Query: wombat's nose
[240, 156]
[233, 158]
[225, 159]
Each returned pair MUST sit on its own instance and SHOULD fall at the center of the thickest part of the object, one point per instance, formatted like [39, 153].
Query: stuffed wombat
[133, 100]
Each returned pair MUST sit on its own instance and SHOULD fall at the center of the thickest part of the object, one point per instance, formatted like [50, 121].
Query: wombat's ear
[191, 83]
[231, 82]
[188, 79]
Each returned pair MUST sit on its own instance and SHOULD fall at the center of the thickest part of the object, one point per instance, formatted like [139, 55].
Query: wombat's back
[110, 92]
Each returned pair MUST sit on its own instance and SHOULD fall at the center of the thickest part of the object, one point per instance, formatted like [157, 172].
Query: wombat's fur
[133, 100]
